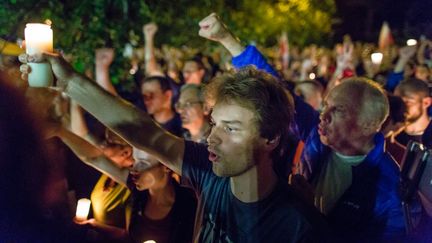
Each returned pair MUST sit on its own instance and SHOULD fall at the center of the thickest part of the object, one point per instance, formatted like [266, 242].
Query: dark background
[362, 19]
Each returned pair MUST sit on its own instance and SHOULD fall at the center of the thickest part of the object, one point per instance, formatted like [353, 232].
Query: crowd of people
[300, 149]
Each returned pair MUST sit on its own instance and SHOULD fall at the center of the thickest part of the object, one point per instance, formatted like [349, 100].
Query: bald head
[367, 98]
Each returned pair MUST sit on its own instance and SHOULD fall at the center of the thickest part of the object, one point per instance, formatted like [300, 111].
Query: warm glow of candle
[377, 58]
[38, 37]
[83, 208]
[149, 241]
[411, 42]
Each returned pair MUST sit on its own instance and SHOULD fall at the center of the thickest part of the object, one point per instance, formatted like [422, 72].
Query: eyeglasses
[185, 105]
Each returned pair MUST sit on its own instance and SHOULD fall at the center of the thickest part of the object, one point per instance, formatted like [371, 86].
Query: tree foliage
[82, 26]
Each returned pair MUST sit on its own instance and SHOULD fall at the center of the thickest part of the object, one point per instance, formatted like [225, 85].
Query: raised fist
[212, 28]
[150, 29]
[104, 56]
[407, 52]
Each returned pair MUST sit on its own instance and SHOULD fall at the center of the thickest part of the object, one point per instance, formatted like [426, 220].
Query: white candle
[411, 42]
[377, 58]
[83, 208]
[39, 38]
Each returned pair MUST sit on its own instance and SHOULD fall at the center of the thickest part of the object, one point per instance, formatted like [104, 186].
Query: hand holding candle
[39, 38]
[83, 208]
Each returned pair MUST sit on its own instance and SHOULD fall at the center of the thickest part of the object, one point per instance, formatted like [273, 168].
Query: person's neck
[163, 195]
[197, 129]
[418, 127]
[358, 147]
[163, 115]
[255, 184]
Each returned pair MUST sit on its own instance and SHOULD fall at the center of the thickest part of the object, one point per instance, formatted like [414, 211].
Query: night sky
[362, 19]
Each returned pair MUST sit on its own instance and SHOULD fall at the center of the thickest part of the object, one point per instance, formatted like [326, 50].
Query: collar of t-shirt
[335, 179]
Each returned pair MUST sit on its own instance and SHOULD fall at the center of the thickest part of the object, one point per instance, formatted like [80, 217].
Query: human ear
[427, 101]
[273, 143]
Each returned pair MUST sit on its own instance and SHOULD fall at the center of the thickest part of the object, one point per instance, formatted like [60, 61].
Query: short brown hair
[413, 85]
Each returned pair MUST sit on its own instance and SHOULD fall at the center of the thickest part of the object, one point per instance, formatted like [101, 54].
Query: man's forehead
[190, 65]
[232, 111]
[339, 97]
[411, 94]
[189, 93]
[153, 84]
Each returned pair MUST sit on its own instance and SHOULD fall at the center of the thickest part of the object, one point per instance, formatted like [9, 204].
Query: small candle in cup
[83, 208]
[39, 38]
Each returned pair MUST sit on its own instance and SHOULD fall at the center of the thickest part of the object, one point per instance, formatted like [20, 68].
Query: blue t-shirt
[174, 125]
[221, 217]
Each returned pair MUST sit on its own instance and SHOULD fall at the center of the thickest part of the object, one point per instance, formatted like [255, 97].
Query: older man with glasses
[193, 113]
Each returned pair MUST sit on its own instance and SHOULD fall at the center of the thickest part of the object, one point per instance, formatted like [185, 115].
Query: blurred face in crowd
[416, 105]
[234, 140]
[422, 73]
[192, 73]
[339, 126]
[190, 108]
[155, 99]
[151, 178]
[118, 152]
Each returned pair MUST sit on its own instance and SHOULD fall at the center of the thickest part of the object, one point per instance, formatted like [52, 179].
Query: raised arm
[91, 155]
[405, 54]
[212, 27]
[151, 66]
[133, 125]
[103, 59]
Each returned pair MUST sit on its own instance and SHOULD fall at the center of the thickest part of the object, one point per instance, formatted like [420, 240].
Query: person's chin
[324, 140]
[219, 171]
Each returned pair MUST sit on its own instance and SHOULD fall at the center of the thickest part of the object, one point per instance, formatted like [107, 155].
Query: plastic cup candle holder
[39, 38]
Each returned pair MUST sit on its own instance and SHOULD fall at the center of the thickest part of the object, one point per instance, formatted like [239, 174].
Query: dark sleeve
[185, 208]
[196, 168]
[427, 136]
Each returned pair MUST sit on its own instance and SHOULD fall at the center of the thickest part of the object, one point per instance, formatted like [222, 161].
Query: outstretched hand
[212, 28]
[345, 56]
[62, 70]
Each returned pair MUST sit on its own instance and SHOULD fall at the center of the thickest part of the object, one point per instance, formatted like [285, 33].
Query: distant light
[149, 241]
[312, 76]
[411, 42]
[377, 58]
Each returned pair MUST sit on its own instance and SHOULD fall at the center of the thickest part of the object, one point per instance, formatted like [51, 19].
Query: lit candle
[83, 208]
[411, 42]
[377, 58]
[39, 38]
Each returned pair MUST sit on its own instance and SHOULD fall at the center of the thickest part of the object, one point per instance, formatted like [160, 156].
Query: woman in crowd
[161, 209]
